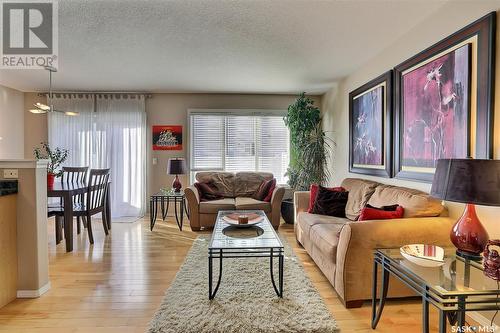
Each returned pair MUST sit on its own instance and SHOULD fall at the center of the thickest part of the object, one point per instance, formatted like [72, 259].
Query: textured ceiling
[272, 46]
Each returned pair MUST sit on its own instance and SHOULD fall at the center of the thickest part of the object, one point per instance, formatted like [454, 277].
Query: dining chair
[76, 175]
[70, 175]
[95, 201]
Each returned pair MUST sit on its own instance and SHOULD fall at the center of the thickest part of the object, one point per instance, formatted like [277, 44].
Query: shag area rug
[245, 302]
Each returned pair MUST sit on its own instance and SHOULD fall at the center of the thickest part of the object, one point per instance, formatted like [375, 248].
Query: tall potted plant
[55, 156]
[310, 149]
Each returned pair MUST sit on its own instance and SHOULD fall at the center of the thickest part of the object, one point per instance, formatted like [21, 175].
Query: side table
[164, 197]
[454, 288]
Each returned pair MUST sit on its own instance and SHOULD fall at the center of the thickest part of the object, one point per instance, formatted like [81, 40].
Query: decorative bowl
[232, 220]
[423, 255]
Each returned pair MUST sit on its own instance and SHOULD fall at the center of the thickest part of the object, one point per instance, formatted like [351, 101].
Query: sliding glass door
[110, 132]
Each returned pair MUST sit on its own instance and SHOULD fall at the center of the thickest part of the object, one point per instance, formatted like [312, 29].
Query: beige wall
[162, 109]
[450, 18]
[171, 109]
[11, 123]
[35, 125]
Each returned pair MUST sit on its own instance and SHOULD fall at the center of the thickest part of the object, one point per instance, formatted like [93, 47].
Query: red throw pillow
[207, 191]
[314, 193]
[271, 190]
[369, 213]
[266, 187]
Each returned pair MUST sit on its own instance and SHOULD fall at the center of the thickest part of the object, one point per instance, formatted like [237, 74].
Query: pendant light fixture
[41, 108]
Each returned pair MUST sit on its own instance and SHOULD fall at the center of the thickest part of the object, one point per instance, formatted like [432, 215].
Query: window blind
[207, 142]
[230, 142]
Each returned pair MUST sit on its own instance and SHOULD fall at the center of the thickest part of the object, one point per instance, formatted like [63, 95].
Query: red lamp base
[468, 234]
[176, 185]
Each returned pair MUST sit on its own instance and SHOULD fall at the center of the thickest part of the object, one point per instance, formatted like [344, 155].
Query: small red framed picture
[168, 137]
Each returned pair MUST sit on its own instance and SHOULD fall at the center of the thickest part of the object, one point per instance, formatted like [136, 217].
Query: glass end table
[454, 288]
[164, 197]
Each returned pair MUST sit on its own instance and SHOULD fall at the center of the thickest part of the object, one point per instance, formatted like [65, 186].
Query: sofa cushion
[269, 195]
[415, 203]
[370, 213]
[326, 238]
[266, 187]
[207, 191]
[245, 203]
[212, 207]
[307, 220]
[330, 203]
[313, 192]
[360, 190]
[247, 183]
[223, 181]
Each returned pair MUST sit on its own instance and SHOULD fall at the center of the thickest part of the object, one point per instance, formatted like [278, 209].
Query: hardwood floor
[117, 285]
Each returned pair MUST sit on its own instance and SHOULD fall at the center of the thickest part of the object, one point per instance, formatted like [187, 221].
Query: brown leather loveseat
[237, 190]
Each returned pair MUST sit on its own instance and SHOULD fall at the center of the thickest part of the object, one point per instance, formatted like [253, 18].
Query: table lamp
[473, 182]
[176, 166]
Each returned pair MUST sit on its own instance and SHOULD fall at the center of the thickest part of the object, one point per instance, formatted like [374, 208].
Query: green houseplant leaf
[55, 156]
[310, 147]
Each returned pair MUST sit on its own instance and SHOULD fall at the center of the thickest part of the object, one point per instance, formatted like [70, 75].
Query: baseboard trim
[33, 293]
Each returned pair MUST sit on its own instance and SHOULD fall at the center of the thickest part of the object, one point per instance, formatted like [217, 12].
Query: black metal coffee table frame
[164, 198]
[221, 254]
[231, 242]
[451, 305]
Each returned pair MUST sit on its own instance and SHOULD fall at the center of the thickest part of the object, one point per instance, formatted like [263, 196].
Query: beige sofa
[343, 248]
[237, 189]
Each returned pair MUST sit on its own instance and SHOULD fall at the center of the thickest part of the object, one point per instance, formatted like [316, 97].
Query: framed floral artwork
[439, 94]
[370, 119]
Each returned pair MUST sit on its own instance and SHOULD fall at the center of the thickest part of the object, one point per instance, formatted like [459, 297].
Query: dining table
[66, 191]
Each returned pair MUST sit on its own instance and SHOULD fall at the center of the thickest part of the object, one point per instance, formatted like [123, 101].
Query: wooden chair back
[97, 189]
[74, 174]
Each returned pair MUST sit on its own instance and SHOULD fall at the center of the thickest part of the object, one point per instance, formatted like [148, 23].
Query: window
[239, 141]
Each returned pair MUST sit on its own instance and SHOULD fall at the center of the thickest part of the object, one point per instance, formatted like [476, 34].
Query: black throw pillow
[391, 208]
[330, 202]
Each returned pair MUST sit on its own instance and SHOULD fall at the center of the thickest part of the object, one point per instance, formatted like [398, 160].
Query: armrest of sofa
[193, 201]
[192, 195]
[358, 240]
[301, 202]
[276, 199]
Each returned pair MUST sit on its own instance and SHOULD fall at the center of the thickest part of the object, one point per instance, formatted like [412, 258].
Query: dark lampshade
[473, 182]
[468, 181]
[176, 166]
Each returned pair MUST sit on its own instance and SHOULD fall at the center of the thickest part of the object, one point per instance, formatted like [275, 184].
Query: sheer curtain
[121, 134]
[110, 132]
[73, 133]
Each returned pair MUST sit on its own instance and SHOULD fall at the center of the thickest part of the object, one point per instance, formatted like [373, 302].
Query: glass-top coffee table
[259, 241]
[453, 288]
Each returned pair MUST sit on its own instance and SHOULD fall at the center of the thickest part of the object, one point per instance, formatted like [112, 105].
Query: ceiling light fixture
[38, 111]
[41, 108]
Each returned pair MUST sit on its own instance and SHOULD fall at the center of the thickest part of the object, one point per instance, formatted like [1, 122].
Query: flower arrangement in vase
[55, 156]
